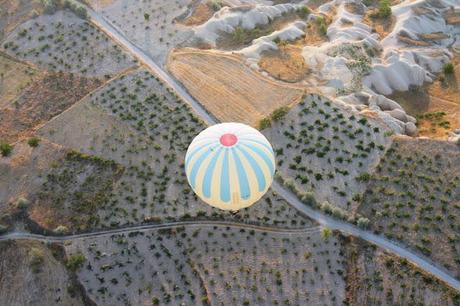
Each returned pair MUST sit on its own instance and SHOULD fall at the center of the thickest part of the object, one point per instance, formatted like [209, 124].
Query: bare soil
[44, 99]
[228, 88]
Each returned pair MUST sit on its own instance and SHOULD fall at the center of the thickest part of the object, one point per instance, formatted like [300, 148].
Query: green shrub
[363, 177]
[279, 113]
[326, 233]
[146, 16]
[303, 11]
[75, 261]
[5, 149]
[448, 68]
[384, 8]
[264, 123]
[33, 142]
[363, 223]
[36, 259]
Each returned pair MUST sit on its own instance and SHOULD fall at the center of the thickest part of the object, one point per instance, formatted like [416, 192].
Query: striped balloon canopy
[230, 165]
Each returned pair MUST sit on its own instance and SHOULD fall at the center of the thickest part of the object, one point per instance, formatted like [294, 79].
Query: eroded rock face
[411, 129]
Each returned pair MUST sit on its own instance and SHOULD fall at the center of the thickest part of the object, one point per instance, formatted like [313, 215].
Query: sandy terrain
[227, 88]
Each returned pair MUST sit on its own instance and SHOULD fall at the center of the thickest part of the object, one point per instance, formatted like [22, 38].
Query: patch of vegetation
[75, 261]
[384, 8]
[322, 148]
[413, 197]
[448, 68]
[36, 259]
[33, 142]
[5, 149]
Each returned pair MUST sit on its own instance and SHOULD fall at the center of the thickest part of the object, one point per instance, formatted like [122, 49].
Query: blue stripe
[197, 165]
[256, 168]
[225, 179]
[263, 155]
[207, 181]
[269, 148]
[193, 152]
[242, 177]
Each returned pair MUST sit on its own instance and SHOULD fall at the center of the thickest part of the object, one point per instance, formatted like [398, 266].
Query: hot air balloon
[230, 165]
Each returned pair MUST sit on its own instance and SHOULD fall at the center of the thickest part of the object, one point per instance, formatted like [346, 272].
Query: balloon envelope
[230, 165]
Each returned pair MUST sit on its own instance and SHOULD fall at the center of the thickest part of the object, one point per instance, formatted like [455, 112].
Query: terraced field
[206, 265]
[64, 42]
[325, 150]
[137, 122]
[414, 197]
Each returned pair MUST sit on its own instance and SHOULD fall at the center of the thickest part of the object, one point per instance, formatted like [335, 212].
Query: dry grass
[41, 101]
[201, 14]
[14, 77]
[228, 88]
[286, 63]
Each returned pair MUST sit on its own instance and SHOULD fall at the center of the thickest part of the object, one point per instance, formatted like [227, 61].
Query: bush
[279, 113]
[326, 233]
[363, 222]
[384, 8]
[5, 148]
[22, 203]
[36, 257]
[303, 11]
[61, 230]
[308, 198]
[146, 16]
[33, 142]
[363, 177]
[264, 123]
[50, 6]
[448, 68]
[75, 261]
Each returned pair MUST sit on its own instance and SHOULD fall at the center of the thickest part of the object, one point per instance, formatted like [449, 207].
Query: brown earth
[41, 101]
[32, 274]
[382, 26]
[227, 87]
[286, 63]
[201, 14]
[453, 16]
[14, 77]
[441, 96]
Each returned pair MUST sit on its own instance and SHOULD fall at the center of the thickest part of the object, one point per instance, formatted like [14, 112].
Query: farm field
[137, 122]
[102, 168]
[413, 196]
[34, 274]
[14, 77]
[326, 151]
[205, 265]
[64, 42]
[228, 89]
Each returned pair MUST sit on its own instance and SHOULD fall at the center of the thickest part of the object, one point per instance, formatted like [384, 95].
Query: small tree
[384, 8]
[264, 123]
[146, 16]
[448, 68]
[33, 142]
[36, 257]
[75, 261]
[5, 149]
[363, 222]
[279, 113]
[326, 233]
